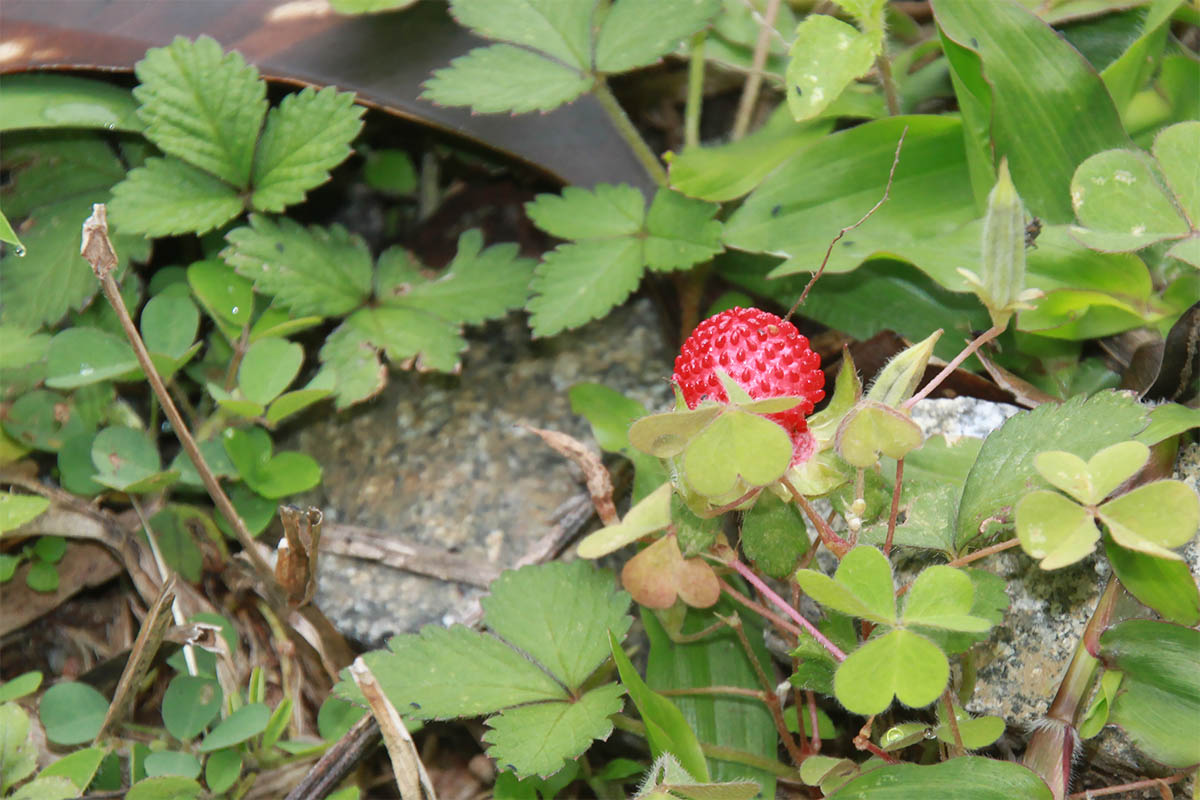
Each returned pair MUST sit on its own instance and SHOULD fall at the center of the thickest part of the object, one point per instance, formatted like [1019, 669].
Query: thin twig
[749, 99]
[836, 544]
[986, 551]
[982, 339]
[887, 190]
[1145, 783]
[734, 691]
[782, 605]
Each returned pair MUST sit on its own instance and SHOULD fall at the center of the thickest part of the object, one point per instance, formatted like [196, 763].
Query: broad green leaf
[277, 322]
[222, 768]
[442, 673]
[202, 105]
[49, 100]
[942, 597]
[480, 284]
[42, 577]
[1121, 199]
[603, 212]
[269, 366]
[190, 703]
[169, 323]
[899, 664]
[168, 762]
[293, 402]
[737, 449]
[72, 712]
[18, 753]
[557, 614]
[871, 429]
[1055, 530]
[126, 459]
[17, 509]
[336, 716]
[652, 514]
[306, 135]
[609, 413]
[802, 205]
[43, 420]
[728, 171]
[861, 587]
[667, 434]
[1153, 517]
[637, 33]
[243, 724]
[272, 476]
[1177, 153]
[53, 788]
[559, 28]
[22, 346]
[581, 281]
[168, 196]
[390, 170]
[83, 355]
[351, 364]
[254, 509]
[537, 739]
[1043, 131]
[505, 78]
[964, 778]
[409, 338]
[774, 535]
[78, 767]
[1004, 472]
[667, 731]
[24, 684]
[164, 787]
[826, 56]
[276, 724]
[1159, 702]
[234, 403]
[324, 271]
[1096, 716]
[225, 295]
[1163, 584]
[680, 231]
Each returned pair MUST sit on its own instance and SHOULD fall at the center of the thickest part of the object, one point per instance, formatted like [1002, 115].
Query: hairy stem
[836, 544]
[749, 99]
[629, 133]
[982, 339]
[758, 608]
[884, 65]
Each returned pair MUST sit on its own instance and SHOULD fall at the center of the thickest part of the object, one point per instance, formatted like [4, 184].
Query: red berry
[765, 355]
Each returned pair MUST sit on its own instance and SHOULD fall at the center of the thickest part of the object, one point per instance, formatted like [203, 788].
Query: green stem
[695, 92]
[629, 133]
[776, 768]
[749, 99]
[889, 84]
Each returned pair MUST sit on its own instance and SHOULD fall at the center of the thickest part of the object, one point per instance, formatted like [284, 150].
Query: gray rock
[440, 461]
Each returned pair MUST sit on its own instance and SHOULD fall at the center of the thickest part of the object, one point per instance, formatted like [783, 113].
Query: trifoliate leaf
[558, 614]
[639, 32]
[306, 135]
[1091, 481]
[560, 28]
[1054, 529]
[168, 196]
[861, 587]
[1123, 202]
[737, 451]
[899, 664]
[536, 739]
[202, 105]
[826, 56]
[681, 231]
[603, 212]
[582, 281]
[478, 285]
[313, 270]
[942, 597]
[272, 476]
[505, 78]
[872, 428]
[1153, 517]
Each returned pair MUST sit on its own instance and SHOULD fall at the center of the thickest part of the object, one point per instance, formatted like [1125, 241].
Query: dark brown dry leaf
[599, 482]
[296, 556]
[1025, 393]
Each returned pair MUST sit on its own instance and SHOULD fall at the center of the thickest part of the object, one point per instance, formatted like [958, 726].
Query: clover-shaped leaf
[873, 428]
[899, 664]
[550, 625]
[272, 476]
[1054, 529]
[1091, 481]
[737, 449]
[1153, 517]
[660, 573]
[861, 587]
[942, 597]
[125, 459]
[666, 435]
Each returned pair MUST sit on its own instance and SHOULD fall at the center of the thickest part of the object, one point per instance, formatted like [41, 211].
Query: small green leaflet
[559, 615]
[616, 239]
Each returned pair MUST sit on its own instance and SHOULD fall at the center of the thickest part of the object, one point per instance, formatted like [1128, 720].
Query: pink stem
[783, 606]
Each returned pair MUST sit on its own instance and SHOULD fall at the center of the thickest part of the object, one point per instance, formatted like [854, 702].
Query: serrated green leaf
[314, 270]
[72, 712]
[559, 28]
[603, 212]
[269, 366]
[536, 739]
[826, 56]
[351, 364]
[202, 105]
[942, 597]
[861, 586]
[680, 231]
[736, 450]
[964, 778]
[1153, 517]
[637, 33]
[169, 323]
[167, 196]
[558, 613]
[774, 535]
[451, 672]
[1004, 471]
[1159, 702]
[478, 285]
[243, 724]
[581, 281]
[899, 664]
[505, 78]
[408, 337]
[306, 135]
[1055, 530]
[1163, 584]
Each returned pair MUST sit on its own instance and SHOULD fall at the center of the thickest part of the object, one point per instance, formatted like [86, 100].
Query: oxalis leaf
[556, 614]
[616, 240]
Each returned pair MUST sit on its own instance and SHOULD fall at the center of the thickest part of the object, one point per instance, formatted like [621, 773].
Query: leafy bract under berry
[765, 355]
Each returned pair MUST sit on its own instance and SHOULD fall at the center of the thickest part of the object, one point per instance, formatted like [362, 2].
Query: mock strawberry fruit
[765, 355]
